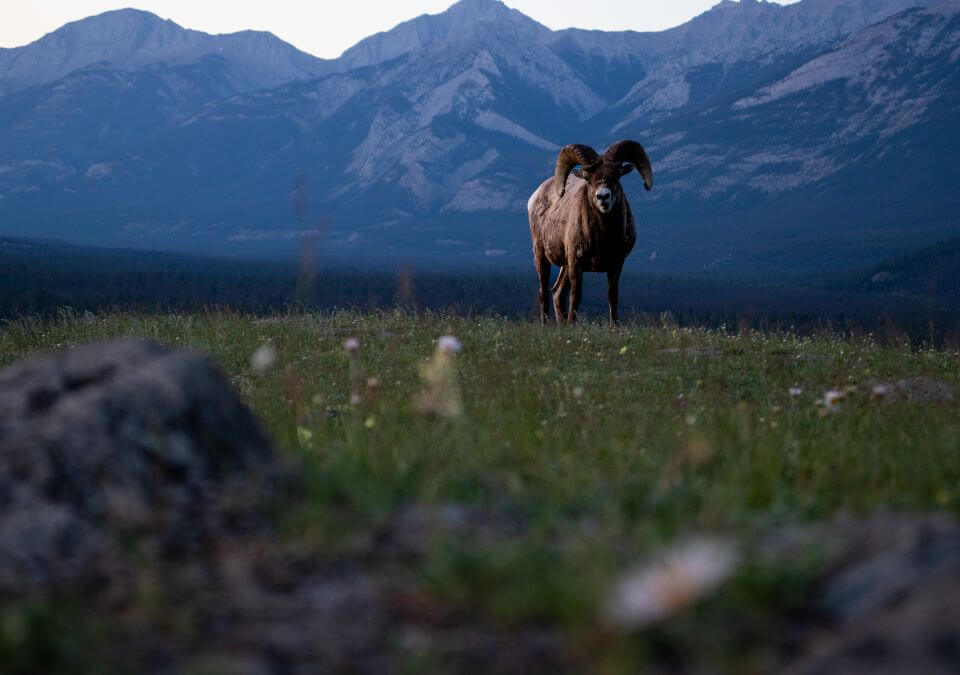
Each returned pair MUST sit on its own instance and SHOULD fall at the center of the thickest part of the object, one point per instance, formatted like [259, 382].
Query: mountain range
[786, 140]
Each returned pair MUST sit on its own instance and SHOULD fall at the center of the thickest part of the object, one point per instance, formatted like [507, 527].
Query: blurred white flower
[263, 359]
[352, 345]
[796, 392]
[448, 344]
[683, 575]
[881, 391]
[831, 401]
[578, 392]
[441, 394]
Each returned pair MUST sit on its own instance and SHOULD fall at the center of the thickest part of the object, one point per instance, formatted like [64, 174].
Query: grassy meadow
[580, 453]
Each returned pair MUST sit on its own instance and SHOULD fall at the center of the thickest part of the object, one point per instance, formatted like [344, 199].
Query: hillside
[772, 129]
[931, 275]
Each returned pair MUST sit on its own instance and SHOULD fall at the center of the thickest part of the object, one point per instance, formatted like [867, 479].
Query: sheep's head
[603, 173]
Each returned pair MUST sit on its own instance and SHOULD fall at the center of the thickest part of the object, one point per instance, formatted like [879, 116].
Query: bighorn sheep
[583, 223]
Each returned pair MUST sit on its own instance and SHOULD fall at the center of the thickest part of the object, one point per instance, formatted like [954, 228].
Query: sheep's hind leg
[560, 290]
[543, 274]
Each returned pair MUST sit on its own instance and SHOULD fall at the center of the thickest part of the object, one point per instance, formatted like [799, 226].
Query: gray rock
[921, 390]
[123, 437]
[891, 557]
[889, 601]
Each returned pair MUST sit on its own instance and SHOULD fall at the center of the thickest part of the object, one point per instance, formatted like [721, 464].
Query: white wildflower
[685, 574]
[578, 392]
[881, 391]
[263, 359]
[441, 394]
[796, 392]
[831, 401]
[352, 345]
[832, 397]
[448, 344]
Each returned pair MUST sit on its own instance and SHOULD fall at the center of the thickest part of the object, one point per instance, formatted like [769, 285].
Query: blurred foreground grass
[598, 445]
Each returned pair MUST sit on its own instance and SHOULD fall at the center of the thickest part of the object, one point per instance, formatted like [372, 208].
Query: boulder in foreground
[118, 438]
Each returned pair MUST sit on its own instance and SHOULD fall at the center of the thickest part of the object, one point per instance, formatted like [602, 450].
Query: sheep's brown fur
[573, 228]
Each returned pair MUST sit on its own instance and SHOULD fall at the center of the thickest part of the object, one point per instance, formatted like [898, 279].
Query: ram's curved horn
[632, 152]
[569, 157]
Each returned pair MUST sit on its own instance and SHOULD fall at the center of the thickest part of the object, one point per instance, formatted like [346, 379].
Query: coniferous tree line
[44, 278]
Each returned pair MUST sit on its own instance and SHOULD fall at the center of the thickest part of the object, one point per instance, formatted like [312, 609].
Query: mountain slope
[465, 16]
[852, 149]
[933, 271]
[784, 138]
[131, 39]
[727, 46]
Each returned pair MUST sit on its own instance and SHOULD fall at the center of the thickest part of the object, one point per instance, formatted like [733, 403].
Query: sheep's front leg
[560, 290]
[543, 274]
[613, 292]
[575, 277]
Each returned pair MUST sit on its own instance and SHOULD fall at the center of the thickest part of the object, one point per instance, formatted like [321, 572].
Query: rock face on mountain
[467, 16]
[800, 137]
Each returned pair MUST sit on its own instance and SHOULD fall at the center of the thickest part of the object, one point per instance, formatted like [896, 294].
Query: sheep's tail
[556, 284]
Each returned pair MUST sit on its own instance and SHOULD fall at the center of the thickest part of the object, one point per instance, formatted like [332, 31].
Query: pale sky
[326, 28]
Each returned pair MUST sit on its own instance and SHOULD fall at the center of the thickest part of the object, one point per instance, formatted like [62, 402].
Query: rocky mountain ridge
[426, 140]
[128, 40]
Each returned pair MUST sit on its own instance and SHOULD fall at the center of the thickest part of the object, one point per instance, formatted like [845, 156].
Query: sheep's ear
[625, 169]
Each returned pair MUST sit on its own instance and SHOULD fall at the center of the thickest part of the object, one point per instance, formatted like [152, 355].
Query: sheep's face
[603, 184]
